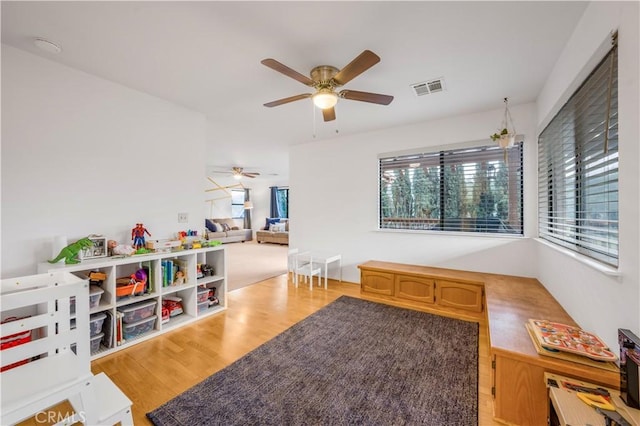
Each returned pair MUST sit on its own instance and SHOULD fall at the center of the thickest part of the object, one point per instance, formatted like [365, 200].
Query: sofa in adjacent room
[276, 230]
[225, 230]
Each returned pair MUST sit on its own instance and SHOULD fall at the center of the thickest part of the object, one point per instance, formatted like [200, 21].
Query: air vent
[428, 87]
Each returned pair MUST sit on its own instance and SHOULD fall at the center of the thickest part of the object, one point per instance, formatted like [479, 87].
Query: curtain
[275, 211]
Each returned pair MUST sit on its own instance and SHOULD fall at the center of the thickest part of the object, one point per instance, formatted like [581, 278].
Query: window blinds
[476, 189]
[578, 168]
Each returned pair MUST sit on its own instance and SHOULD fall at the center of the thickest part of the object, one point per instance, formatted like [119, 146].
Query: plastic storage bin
[137, 311]
[95, 323]
[95, 342]
[95, 293]
[203, 307]
[138, 328]
[203, 295]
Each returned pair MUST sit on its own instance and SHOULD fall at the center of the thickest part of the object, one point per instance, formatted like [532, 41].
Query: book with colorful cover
[167, 273]
[146, 265]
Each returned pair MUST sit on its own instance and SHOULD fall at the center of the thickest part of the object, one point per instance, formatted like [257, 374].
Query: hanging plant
[496, 136]
[506, 138]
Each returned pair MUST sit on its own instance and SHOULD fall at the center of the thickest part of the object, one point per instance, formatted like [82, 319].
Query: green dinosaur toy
[70, 252]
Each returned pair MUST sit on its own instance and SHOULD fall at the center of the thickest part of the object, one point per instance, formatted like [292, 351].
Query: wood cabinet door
[419, 289]
[459, 295]
[520, 393]
[376, 282]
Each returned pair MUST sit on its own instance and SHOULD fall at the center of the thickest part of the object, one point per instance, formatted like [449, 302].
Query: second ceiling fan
[325, 79]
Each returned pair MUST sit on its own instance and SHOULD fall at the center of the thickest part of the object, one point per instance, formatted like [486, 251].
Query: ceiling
[205, 55]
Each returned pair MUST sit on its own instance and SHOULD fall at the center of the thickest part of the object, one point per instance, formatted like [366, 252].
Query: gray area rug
[353, 362]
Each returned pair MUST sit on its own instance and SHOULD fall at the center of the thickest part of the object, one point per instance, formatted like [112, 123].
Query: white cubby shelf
[157, 289]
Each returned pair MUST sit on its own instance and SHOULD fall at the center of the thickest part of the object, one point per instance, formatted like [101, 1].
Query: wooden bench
[508, 302]
[51, 365]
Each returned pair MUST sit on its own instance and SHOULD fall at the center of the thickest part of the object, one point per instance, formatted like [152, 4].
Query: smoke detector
[47, 45]
[428, 87]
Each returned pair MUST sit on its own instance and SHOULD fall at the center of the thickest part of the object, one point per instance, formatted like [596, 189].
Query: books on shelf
[174, 272]
[119, 335]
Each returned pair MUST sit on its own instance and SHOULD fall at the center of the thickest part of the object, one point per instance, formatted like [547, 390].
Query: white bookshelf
[118, 267]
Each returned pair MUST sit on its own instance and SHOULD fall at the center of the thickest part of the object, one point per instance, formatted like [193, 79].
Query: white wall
[597, 302]
[82, 155]
[334, 199]
[334, 190]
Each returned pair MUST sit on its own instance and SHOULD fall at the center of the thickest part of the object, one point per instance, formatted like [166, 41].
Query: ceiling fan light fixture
[237, 176]
[325, 98]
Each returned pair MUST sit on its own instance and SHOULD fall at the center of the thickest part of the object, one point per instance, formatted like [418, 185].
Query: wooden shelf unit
[520, 394]
[116, 267]
[415, 284]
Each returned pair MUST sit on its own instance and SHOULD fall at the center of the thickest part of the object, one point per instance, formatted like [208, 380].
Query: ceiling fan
[325, 79]
[239, 173]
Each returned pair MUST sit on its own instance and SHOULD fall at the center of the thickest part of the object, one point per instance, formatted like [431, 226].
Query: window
[475, 189]
[578, 168]
[283, 201]
[279, 202]
[237, 203]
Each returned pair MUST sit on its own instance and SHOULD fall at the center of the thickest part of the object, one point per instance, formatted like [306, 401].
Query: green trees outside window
[475, 189]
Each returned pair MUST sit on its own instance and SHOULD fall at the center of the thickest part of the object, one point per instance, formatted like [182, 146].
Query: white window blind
[578, 168]
[475, 189]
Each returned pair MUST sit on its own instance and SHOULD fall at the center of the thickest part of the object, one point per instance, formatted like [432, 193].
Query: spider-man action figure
[137, 235]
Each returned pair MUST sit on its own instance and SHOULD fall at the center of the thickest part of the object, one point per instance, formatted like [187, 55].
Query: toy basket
[128, 286]
[12, 340]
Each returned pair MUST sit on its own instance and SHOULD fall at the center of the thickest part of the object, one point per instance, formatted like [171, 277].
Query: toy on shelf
[132, 285]
[565, 338]
[96, 250]
[189, 239]
[199, 273]
[70, 252]
[163, 246]
[211, 243]
[213, 300]
[120, 249]
[180, 278]
[207, 270]
[172, 304]
[137, 235]
[97, 278]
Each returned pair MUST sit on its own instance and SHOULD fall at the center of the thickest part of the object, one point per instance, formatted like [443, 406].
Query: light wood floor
[157, 370]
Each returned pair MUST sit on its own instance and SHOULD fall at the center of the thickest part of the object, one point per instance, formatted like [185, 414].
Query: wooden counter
[520, 395]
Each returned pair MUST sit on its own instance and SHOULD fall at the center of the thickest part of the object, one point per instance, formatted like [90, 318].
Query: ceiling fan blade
[363, 62]
[287, 100]
[281, 68]
[374, 98]
[329, 114]
[251, 175]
